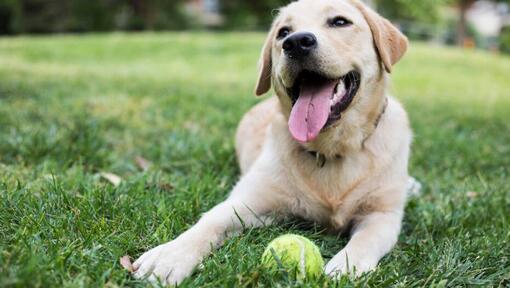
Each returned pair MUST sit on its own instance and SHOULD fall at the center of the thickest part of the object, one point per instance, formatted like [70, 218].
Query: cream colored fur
[365, 178]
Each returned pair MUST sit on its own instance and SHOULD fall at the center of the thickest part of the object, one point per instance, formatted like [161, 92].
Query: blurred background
[469, 23]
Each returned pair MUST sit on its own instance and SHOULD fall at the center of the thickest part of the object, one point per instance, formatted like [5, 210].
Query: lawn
[72, 107]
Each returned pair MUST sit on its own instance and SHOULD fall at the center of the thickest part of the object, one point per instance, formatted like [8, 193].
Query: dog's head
[322, 56]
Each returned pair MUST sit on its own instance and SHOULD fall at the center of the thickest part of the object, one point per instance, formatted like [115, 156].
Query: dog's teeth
[339, 93]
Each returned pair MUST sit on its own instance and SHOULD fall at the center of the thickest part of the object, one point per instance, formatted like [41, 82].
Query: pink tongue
[311, 111]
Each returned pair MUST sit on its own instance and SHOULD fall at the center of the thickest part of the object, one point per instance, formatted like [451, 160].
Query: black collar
[321, 159]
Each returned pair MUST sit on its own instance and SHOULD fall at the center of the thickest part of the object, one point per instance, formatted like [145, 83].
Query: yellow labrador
[332, 147]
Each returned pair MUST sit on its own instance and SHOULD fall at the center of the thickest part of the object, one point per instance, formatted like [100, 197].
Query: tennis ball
[296, 254]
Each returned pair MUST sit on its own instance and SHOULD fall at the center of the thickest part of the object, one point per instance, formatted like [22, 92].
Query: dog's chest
[325, 194]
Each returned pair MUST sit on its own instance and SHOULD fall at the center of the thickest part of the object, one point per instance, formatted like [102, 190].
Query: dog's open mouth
[318, 102]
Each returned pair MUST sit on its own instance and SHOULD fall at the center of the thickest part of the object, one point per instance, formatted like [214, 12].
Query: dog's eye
[283, 32]
[339, 21]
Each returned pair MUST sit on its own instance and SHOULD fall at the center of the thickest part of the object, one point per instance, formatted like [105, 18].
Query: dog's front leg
[373, 237]
[249, 205]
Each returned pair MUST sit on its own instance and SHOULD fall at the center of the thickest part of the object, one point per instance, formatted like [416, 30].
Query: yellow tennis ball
[295, 254]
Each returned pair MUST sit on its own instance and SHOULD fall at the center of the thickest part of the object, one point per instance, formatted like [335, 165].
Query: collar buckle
[320, 159]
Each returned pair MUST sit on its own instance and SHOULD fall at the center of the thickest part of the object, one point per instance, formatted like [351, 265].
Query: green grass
[72, 107]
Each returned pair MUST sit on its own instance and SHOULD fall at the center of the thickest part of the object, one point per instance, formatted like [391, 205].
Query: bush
[504, 40]
[9, 12]
[50, 16]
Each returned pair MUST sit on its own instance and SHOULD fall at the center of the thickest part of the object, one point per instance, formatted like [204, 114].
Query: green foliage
[86, 15]
[42, 16]
[250, 14]
[71, 106]
[415, 10]
[10, 11]
[504, 40]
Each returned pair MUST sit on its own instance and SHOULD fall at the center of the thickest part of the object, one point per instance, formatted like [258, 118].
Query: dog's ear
[390, 43]
[265, 64]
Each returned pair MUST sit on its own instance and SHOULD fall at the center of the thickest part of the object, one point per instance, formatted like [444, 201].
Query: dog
[332, 146]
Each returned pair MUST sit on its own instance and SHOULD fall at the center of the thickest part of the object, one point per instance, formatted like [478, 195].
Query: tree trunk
[464, 6]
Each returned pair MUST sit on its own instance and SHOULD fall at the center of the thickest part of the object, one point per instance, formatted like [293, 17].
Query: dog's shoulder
[391, 140]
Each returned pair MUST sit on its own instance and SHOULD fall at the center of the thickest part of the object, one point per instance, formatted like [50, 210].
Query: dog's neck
[321, 159]
[356, 126]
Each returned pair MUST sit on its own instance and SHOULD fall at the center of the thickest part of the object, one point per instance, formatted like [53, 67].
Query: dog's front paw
[169, 263]
[345, 263]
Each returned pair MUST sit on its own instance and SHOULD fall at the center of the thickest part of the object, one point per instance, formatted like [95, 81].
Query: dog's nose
[299, 45]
